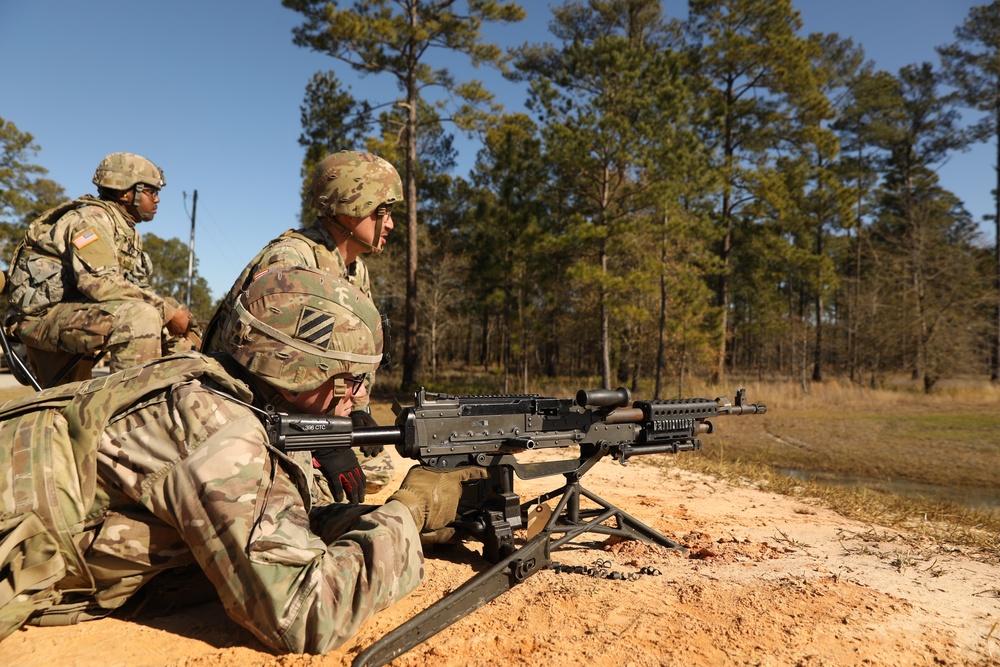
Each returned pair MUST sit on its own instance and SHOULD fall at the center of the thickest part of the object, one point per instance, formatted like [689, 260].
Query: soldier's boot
[47, 365]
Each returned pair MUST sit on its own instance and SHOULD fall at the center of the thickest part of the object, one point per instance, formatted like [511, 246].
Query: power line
[190, 274]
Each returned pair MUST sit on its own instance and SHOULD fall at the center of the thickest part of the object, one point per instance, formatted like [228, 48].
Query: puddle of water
[976, 497]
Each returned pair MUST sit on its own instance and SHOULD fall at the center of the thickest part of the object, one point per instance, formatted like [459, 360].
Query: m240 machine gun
[491, 432]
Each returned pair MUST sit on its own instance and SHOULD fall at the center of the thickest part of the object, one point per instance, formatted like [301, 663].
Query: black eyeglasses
[356, 382]
[152, 192]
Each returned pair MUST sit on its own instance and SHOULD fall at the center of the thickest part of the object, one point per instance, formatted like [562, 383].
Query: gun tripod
[568, 519]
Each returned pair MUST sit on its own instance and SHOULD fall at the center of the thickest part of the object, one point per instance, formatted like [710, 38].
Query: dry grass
[921, 449]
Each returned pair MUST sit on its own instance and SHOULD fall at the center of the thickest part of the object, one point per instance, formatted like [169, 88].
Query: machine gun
[491, 431]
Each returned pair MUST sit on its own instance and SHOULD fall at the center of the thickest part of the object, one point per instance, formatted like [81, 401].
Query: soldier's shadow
[183, 602]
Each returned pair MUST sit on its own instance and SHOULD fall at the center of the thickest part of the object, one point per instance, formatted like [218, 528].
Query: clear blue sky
[210, 90]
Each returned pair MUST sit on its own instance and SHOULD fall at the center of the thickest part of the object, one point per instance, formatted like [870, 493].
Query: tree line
[716, 195]
[699, 197]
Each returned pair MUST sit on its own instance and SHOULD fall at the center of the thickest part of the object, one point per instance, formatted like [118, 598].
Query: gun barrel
[378, 435]
[313, 441]
[745, 409]
[625, 416]
[308, 432]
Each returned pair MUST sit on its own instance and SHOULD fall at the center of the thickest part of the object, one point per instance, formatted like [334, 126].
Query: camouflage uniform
[79, 283]
[315, 246]
[106, 483]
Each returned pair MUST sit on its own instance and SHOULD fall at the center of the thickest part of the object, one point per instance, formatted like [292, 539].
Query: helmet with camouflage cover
[354, 184]
[295, 328]
[122, 171]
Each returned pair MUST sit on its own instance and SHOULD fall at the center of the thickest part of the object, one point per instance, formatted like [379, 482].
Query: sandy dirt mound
[768, 580]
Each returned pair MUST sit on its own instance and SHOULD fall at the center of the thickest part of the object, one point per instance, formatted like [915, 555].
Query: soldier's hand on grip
[432, 495]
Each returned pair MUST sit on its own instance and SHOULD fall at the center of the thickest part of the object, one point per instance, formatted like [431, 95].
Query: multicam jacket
[108, 482]
[85, 250]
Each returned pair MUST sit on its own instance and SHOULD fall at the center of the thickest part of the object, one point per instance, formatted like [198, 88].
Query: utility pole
[190, 276]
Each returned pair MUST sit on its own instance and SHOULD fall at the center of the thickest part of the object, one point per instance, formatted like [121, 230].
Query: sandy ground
[768, 580]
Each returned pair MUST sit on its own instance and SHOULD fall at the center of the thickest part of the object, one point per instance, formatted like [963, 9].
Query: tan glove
[432, 495]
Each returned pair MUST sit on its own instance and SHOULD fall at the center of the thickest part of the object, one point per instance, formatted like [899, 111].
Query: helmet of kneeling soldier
[122, 171]
[356, 185]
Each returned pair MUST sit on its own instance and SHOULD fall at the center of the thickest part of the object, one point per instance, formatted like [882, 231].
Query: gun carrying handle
[604, 398]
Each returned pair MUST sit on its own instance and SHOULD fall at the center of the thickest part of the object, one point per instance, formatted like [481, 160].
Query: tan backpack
[48, 483]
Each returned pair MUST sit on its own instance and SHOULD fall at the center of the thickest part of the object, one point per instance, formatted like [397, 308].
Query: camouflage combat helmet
[297, 327]
[354, 184]
[122, 171]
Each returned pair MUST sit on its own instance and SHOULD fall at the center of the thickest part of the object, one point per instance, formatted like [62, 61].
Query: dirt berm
[768, 580]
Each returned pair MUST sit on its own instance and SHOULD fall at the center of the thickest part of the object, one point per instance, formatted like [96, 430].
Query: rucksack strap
[33, 563]
[35, 577]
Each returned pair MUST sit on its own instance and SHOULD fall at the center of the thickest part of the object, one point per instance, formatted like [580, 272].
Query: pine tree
[395, 38]
[972, 65]
[24, 192]
[866, 118]
[924, 237]
[602, 97]
[752, 69]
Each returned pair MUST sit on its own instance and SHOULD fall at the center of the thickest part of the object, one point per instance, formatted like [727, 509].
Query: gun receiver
[491, 431]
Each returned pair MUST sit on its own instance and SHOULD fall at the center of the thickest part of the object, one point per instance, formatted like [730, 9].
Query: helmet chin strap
[137, 191]
[130, 210]
[351, 236]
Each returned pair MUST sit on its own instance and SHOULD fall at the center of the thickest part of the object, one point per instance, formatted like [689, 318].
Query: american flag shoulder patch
[85, 239]
[265, 270]
[316, 327]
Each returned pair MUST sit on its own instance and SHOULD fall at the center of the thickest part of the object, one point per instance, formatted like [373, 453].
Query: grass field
[895, 457]
[950, 441]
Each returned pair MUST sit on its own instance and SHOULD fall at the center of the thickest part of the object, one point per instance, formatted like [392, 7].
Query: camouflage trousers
[378, 471]
[127, 331]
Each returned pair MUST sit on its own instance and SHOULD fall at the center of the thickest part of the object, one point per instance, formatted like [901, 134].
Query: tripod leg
[473, 594]
[572, 521]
